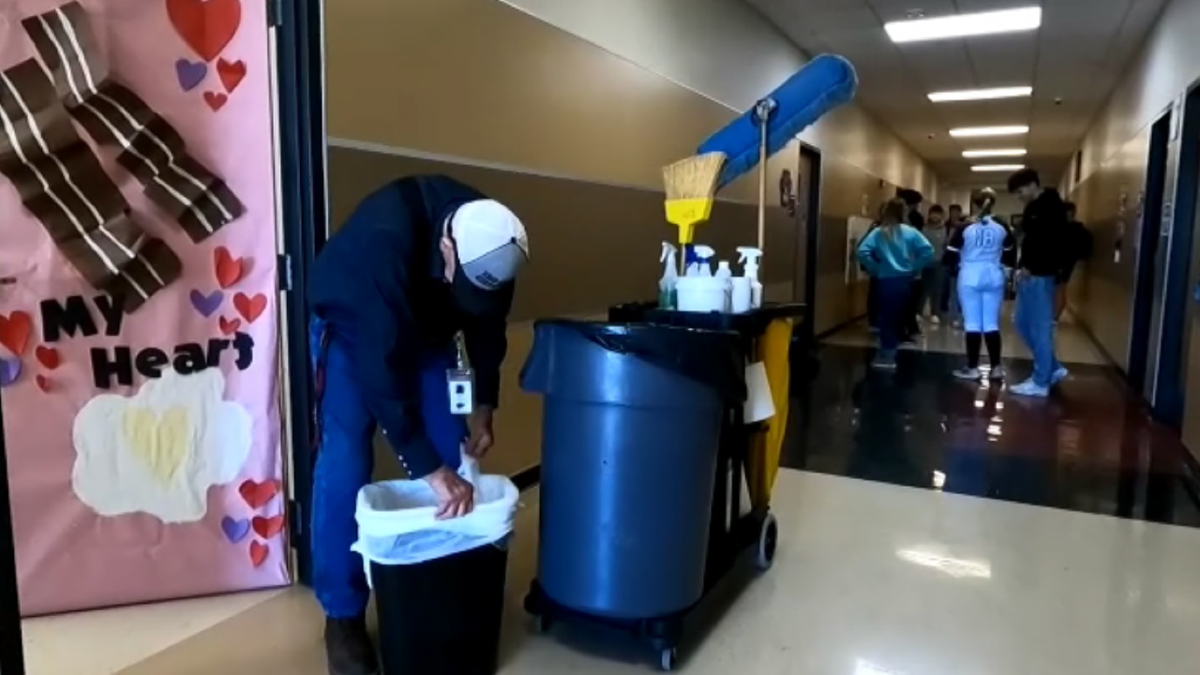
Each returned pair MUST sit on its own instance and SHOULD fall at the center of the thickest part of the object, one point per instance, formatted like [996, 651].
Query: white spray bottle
[666, 285]
[750, 257]
[702, 267]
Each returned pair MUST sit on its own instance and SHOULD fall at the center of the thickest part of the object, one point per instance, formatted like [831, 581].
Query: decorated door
[138, 320]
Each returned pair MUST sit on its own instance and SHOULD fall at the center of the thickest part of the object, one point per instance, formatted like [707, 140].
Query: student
[1079, 240]
[981, 281]
[933, 278]
[893, 254]
[1044, 253]
[912, 204]
[950, 262]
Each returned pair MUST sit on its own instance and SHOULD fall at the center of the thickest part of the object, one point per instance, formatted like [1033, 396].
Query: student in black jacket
[1079, 245]
[1044, 255]
[420, 259]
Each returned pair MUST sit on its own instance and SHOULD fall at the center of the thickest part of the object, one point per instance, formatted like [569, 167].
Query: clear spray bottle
[666, 285]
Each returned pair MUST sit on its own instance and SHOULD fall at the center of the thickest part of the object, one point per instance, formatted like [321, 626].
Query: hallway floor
[915, 540]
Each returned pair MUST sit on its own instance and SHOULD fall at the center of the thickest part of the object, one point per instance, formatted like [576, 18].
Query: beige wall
[1115, 153]
[726, 51]
[1159, 76]
[572, 129]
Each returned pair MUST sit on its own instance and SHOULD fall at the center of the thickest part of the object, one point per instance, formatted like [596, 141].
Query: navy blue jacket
[380, 284]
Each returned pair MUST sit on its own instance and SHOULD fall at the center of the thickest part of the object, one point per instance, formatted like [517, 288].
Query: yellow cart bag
[767, 445]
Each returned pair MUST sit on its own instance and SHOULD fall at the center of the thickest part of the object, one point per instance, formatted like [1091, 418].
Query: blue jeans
[1035, 323]
[894, 298]
[345, 461]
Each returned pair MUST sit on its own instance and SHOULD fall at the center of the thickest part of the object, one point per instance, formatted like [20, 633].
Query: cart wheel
[768, 539]
[669, 660]
[542, 624]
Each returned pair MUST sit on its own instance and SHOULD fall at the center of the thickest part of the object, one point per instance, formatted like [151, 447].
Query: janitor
[420, 260]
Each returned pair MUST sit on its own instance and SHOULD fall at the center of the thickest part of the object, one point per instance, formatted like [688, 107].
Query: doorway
[1179, 331]
[808, 216]
[1147, 263]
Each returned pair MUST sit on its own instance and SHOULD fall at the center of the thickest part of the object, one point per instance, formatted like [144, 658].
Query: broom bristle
[694, 177]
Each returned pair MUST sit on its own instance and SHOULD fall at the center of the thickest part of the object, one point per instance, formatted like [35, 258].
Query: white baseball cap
[492, 248]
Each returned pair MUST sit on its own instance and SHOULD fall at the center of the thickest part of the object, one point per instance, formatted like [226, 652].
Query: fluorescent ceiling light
[1014, 130]
[998, 167]
[965, 25]
[1001, 152]
[980, 94]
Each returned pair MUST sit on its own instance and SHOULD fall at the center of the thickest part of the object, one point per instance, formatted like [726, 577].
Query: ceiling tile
[1077, 56]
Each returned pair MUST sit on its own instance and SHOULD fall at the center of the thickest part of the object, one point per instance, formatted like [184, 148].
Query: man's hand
[455, 496]
[479, 423]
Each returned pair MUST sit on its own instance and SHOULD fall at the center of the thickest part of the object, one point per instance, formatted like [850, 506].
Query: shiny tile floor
[1073, 343]
[870, 579]
[1090, 447]
[916, 541]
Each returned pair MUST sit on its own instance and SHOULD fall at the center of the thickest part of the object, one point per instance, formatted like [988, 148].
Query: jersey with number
[983, 241]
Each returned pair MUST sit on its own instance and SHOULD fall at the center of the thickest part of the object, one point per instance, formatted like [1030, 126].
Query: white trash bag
[397, 522]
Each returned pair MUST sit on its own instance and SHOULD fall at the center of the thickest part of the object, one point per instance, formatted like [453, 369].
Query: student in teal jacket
[893, 254]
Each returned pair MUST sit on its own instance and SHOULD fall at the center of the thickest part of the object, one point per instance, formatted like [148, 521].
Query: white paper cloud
[161, 450]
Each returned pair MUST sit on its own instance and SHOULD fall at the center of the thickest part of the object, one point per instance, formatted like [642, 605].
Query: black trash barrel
[442, 616]
[631, 429]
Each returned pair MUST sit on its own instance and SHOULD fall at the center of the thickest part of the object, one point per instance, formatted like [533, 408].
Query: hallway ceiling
[1078, 55]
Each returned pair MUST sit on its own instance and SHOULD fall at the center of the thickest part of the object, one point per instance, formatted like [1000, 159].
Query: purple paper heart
[235, 530]
[190, 73]
[207, 305]
[10, 371]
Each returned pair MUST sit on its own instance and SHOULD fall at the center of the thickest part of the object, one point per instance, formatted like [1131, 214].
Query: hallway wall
[571, 128]
[1113, 171]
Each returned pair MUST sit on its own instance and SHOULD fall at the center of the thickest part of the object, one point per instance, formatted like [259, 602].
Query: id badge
[460, 383]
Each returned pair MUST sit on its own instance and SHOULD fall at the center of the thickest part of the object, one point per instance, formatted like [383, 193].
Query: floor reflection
[1091, 447]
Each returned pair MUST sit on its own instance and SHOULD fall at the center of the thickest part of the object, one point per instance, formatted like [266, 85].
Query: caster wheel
[669, 659]
[768, 540]
[542, 624]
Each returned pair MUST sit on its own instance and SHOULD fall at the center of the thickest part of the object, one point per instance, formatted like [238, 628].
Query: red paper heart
[228, 268]
[207, 26]
[258, 495]
[43, 383]
[267, 527]
[229, 327]
[48, 357]
[215, 100]
[231, 74]
[15, 330]
[258, 553]
[250, 308]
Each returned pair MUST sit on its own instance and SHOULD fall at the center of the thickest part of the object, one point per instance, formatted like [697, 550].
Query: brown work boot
[348, 647]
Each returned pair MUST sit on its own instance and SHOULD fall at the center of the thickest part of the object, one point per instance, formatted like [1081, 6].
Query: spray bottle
[749, 257]
[702, 267]
[666, 285]
[726, 275]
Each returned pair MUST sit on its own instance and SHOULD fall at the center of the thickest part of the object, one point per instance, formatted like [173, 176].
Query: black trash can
[442, 616]
[631, 432]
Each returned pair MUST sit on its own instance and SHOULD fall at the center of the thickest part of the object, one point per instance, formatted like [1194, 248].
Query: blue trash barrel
[631, 431]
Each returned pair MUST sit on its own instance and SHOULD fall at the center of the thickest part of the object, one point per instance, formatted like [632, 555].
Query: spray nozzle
[748, 255]
[668, 250]
[704, 253]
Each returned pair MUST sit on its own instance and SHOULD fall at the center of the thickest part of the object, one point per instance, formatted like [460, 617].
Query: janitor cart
[645, 453]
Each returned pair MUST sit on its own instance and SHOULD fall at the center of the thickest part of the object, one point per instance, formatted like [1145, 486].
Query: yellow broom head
[695, 177]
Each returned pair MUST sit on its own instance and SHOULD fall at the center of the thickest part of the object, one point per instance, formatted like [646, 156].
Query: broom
[691, 186]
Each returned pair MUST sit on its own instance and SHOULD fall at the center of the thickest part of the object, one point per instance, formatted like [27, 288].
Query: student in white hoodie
[981, 279]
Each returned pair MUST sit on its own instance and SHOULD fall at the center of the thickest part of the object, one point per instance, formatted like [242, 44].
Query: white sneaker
[1031, 389]
[997, 374]
[1059, 375]
[971, 374]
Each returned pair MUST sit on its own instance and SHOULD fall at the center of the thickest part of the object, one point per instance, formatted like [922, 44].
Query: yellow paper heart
[160, 442]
